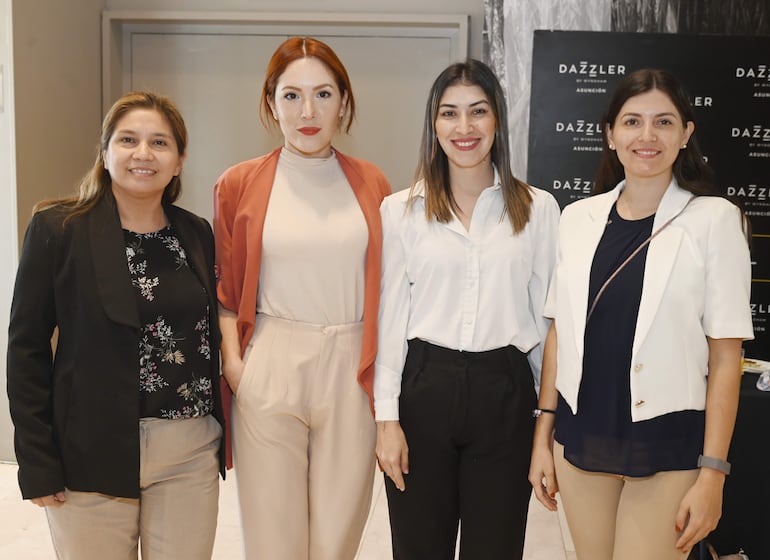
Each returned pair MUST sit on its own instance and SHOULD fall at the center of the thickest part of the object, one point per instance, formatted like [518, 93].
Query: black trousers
[468, 422]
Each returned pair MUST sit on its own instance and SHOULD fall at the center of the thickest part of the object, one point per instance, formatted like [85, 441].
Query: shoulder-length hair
[295, 48]
[433, 165]
[690, 169]
[98, 181]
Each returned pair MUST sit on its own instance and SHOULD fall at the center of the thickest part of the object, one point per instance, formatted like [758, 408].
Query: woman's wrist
[538, 412]
[714, 463]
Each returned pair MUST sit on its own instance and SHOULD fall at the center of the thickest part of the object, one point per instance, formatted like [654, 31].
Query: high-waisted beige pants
[303, 442]
[176, 516]
[613, 517]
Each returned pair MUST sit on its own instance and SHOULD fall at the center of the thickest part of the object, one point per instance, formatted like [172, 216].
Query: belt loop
[517, 359]
[416, 347]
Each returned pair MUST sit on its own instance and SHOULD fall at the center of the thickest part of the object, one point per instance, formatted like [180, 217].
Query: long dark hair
[433, 165]
[97, 181]
[690, 169]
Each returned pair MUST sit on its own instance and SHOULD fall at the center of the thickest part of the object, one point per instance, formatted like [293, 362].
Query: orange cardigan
[241, 197]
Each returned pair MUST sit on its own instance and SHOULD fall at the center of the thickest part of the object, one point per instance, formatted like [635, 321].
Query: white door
[215, 76]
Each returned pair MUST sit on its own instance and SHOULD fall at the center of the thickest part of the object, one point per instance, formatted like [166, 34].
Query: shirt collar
[419, 187]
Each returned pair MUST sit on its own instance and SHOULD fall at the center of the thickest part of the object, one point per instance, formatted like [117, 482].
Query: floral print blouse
[174, 353]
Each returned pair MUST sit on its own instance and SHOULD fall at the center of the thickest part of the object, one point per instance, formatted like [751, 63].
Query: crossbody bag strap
[622, 265]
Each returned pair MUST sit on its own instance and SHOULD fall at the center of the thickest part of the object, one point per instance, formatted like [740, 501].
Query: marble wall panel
[520, 19]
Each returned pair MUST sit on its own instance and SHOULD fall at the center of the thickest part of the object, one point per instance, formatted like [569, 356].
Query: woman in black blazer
[118, 429]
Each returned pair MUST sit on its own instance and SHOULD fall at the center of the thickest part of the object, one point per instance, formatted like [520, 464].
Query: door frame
[119, 26]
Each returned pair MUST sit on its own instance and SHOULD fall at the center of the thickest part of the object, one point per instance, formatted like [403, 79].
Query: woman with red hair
[299, 242]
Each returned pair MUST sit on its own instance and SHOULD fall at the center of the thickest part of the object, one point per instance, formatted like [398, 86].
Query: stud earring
[612, 146]
[684, 146]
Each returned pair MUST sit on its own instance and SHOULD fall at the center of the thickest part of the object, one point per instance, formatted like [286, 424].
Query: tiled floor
[24, 533]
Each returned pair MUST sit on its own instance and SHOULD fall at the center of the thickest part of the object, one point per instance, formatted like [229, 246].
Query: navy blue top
[601, 437]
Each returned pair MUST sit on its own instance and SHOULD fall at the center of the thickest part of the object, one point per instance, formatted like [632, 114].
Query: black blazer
[76, 413]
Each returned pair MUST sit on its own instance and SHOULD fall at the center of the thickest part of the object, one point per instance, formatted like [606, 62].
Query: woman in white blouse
[467, 255]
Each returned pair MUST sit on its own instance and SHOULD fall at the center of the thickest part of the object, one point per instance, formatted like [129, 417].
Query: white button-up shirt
[469, 290]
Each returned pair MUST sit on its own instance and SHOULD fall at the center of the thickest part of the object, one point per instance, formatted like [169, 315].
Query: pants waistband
[310, 327]
[428, 351]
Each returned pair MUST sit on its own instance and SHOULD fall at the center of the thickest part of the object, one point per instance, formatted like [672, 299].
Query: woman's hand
[232, 371]
[542, 476]
[230, 349]
[392, 451]
[700, 509]
[52, 500]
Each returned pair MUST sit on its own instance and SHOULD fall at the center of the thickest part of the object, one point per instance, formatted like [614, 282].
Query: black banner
[573, 76]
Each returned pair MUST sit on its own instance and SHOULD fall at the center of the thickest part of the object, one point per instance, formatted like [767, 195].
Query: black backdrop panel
[728, 78]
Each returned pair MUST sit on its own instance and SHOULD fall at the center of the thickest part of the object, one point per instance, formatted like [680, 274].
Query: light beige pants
[176, 516]
[613, 517]
[303, 442]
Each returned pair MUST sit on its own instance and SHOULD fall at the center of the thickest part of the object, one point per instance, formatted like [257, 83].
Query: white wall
[475, 8]
[57, 81]
[8, 241]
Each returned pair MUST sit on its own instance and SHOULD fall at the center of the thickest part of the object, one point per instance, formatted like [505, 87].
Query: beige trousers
[613, 517]
[303, 442]
[176, 516]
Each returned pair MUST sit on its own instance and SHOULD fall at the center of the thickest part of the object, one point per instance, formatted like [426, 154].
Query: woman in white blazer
[650, 300]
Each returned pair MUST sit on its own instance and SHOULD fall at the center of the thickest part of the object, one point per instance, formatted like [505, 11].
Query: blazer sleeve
[727, 312]
[30, 362]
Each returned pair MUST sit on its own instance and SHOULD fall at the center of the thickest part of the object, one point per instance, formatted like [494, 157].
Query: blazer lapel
[193, 246]
[579, 256]
[108, 254]
[661, 256]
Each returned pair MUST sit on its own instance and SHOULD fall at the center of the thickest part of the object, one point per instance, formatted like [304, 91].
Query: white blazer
[697, 282]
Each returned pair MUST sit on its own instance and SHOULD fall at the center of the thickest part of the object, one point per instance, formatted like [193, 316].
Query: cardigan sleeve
[30, 363]
[225, 208]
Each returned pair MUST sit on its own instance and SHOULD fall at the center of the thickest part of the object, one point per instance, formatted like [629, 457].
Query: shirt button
[638, 367]
[639, 403]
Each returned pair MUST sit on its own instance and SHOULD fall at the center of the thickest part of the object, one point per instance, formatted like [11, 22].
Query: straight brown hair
[433, 165]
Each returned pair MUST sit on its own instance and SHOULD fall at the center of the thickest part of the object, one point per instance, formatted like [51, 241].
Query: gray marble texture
[649, 16]
[514, 53]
